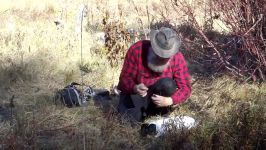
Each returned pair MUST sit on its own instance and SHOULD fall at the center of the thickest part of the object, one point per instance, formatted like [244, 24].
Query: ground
[38, 58]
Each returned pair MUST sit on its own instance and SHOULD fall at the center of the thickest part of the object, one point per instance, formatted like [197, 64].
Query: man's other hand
[161, 101]
[141, 89]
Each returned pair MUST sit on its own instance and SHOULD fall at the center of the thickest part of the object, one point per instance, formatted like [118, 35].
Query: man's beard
[154, 62]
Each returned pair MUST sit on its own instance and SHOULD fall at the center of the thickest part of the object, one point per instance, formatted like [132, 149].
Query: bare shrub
[247, 21]
[117, 40]
[242, 50]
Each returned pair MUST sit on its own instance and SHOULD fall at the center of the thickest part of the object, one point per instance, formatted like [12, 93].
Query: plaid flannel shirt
[135, 71]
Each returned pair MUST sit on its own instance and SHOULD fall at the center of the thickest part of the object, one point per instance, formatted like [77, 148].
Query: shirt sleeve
[128, 74]
[182, 78]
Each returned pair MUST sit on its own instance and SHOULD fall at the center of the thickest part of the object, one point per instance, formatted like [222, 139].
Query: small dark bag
[71, 96]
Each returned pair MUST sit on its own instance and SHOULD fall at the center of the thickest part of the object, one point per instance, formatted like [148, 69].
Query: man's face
[155, 62]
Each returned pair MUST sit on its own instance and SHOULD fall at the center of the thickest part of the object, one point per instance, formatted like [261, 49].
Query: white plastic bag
[161, 125]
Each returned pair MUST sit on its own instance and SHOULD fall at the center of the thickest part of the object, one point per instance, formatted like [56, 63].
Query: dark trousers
[137, 108]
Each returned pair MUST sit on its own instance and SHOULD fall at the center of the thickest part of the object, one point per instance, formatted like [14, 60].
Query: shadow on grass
[18, 89]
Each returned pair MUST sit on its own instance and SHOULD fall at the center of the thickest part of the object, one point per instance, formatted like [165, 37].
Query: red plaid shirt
[135, 71]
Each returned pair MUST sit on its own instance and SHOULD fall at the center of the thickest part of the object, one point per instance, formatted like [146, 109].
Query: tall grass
[37, 59]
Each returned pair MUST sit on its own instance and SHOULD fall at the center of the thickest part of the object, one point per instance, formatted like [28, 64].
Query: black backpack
[72, 96]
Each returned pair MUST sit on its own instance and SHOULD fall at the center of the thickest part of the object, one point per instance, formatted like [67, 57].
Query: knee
[164, 87]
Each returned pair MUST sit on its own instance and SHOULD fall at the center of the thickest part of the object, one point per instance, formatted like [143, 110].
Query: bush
[241, 51]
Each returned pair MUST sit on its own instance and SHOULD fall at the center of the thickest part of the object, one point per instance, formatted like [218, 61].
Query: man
[154, 76]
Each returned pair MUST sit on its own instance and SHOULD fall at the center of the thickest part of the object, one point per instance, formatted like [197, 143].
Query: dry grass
[37, 59]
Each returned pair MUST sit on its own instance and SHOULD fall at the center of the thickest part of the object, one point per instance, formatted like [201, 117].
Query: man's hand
[161, 101]
[141, 89]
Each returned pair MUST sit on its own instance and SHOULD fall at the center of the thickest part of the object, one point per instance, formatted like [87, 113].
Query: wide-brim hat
[165, 42]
